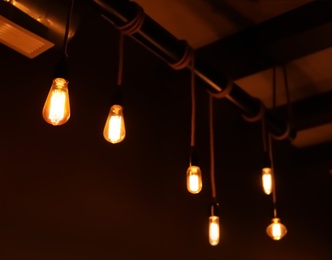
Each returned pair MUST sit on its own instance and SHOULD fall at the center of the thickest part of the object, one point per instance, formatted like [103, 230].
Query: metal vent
[22, 40]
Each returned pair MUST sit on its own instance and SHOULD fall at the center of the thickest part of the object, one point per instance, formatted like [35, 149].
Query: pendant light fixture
[56, 110]
[194, 174]
[114, 129]
[214, 220]
[276, 230]
[266, 167]
[214, 223]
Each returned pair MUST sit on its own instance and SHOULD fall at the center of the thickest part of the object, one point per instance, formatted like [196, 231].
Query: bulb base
[62, 68]
[214, 208]
[193, 156]
[266, 162]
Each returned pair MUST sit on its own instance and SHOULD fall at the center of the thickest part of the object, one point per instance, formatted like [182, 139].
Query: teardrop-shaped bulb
[276, 230]
[214, 230]
[267, 180]
[194, 179]
[114, 130]
[56, 110]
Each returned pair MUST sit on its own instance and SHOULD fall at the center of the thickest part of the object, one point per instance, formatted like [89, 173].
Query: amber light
[214, 230]
[56, 110]
[267, 180]
[194, 179]
[276, 230]
[114, 130]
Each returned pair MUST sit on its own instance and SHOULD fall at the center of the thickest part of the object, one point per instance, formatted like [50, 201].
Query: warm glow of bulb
[214, 230]
[267, 180]
[56, 109]
[194, 179]
[276, 230]
[114, 130]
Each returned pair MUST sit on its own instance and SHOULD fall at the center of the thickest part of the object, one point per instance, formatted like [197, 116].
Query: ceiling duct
[32, 27]
[21, 40]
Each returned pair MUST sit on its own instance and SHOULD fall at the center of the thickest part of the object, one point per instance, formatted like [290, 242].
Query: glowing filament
[276, 230]
[194, 179]
[114, 130]
[214, 230]
[56, 109]
[267, 180]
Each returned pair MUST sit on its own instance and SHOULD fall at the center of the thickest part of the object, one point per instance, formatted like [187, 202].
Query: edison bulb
[194, 179]
[276, 230]
[56, 110]
[114, 130]
[267, 180]
[214, 230]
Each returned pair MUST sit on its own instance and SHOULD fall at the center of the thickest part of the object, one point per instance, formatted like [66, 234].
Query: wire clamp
[259, 115]
[185, 59]
[225, 91]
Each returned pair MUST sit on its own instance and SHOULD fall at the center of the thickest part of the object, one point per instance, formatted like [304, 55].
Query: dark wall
[65, 193]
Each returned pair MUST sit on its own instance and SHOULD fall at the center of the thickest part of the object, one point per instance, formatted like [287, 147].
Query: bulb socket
[62, 68]
[214, 208]
[118, 96]
[266, 162]
[193, 156]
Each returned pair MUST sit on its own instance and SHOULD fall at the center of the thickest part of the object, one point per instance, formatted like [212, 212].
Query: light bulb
[194, 179]
[56, 110]
[114, 130]
[276, 230]
[214, 230]
[267, 180]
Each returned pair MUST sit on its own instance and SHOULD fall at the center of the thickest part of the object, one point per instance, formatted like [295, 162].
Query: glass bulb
[267, 180]
[276, 230]
[114, 130]
[194, 179]
[56, 110]
[214, 230]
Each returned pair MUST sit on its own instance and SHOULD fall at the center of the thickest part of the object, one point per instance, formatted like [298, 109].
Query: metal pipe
[170, 49]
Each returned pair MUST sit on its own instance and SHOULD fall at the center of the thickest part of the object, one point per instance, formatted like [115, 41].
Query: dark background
[66, 193]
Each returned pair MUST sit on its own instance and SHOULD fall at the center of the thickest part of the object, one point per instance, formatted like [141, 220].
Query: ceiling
[202, 23]
[66, 193]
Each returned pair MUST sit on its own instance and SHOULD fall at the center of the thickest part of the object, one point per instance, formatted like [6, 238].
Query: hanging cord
[213, 184]
[129, 28]
[264, 135]
[274, 193]
[274, 84]
[289, 107]
[274, 103]
[118, 96]
[61, 68]
[193, 103]
[120, 69]
[289, 110]
[65, 41]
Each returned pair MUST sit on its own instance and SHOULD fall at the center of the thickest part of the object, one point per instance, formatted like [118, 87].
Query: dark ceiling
[66, 193]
